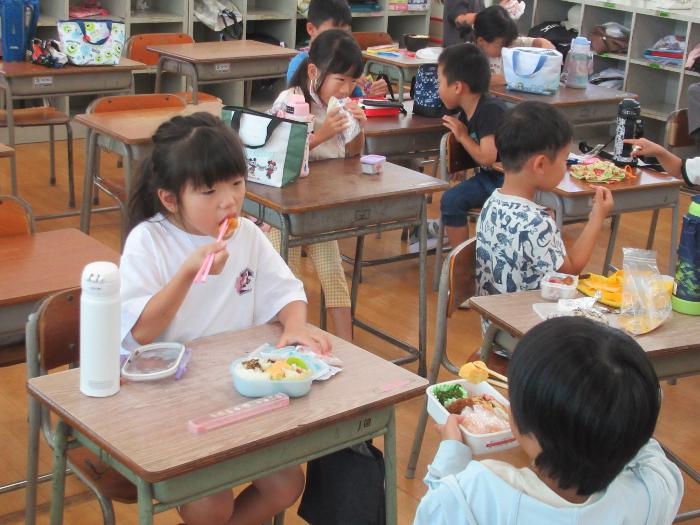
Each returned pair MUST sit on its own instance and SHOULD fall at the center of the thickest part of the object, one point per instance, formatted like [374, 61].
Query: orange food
[232, 225]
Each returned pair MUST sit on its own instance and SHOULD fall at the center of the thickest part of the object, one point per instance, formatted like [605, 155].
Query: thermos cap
[100, 279]
[297, 105]
[580, 44]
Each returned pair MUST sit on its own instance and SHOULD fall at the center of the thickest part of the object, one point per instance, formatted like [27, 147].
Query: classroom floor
[383, 287]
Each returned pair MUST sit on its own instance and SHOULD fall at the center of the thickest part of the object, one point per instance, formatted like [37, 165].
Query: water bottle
[686, 289]
[296, 108]
[578, 63]
[100, 321]
[629, 126]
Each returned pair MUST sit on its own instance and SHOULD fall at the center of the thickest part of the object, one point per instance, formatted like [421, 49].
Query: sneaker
[433, 232]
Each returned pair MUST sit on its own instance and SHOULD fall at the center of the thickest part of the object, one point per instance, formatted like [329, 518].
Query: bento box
[260, 377]
[485, 443]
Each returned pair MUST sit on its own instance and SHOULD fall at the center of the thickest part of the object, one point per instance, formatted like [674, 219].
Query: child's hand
[336, 122]
[196, 258]
[378, 88]
[456, 126]
[357, 112]
[303, 334]
[602, 203]
[645, 147]
[450, 430]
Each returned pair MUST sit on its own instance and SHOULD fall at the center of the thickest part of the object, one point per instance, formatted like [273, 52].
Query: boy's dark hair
[198, 149]
[528, 129]
[333, 52]
[338, 11]
[590, 396]
[495, 22]
[466, 63]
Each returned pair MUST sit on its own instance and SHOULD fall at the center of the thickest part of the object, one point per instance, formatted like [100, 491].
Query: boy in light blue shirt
[584, 404]
[331, 14]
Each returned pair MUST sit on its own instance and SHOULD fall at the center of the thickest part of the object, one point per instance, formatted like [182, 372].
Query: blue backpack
[424, 92]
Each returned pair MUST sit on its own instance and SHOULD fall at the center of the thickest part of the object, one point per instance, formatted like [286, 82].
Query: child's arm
[297, 331]
[484, 152]
[579, 254]
[162, 307]
[671, 163]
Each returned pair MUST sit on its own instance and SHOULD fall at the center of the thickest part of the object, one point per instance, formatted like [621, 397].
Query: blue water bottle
[686, 290]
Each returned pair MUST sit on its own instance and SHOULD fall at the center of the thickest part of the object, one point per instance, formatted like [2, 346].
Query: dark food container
[415, 42]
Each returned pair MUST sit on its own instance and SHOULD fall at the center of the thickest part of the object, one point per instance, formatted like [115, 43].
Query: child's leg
[326, 259]
[268, 496]
[458, 200]
[294, 254]
[257, 503]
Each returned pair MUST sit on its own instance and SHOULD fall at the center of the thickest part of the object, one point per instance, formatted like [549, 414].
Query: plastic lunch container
[372, 164]
[267, 387]
[479, 443]
[555, 291]
[154, 361]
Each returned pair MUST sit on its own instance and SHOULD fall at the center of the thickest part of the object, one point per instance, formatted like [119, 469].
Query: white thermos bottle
[100, 330]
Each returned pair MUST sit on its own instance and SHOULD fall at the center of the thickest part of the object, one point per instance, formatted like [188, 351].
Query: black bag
[425, 92]
[556, 33]
[345, 488]
[233, 22]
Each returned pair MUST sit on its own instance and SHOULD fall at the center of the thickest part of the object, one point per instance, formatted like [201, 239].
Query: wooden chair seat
[202, 96]
[108, 481]
[31, 117]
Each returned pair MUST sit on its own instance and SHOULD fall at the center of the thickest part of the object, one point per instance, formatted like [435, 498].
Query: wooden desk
[404, 66]
[24, 80]
[572, 200]
[673, 348]
[146, 436]
[594, 105]
[404, 135]
[216, 62]
[35, 266]
[336, 201]
[133, 130]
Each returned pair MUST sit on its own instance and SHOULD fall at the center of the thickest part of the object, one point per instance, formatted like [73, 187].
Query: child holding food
[517, 241]
[689, 169]
[593, 458]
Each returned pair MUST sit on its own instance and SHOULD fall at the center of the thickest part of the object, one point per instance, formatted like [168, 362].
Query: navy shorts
[468, 194]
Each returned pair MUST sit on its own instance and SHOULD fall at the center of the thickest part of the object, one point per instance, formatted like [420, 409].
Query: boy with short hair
[517, 241]
[463, 75]
[330, 14]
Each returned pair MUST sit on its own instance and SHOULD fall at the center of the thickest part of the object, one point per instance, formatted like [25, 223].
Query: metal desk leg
[159, 74]
[85, 209]
[145, 493]
[652, 228]
[390, 469]
[284, 238]
[9, 100]
[422, 300]
[614, 226]
[58, 486]
[357, 267]
[674, 239]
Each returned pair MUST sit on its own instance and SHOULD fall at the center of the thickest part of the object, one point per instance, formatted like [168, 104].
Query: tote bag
[274, 146]
[92, 42]
[532, 69]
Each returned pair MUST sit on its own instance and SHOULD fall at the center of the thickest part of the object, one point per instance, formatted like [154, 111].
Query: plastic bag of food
[646, 296]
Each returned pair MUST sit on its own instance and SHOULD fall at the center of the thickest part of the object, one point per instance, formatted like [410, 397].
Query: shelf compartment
[154, 17]
[283, 30]
[271, 9]
[594, 16]
[370, 23]
[649, 29]
[399, 26]
[657, 89]
[653, 65]
[549, 10]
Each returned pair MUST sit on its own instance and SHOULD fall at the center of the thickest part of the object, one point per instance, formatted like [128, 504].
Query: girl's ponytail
[143, 200]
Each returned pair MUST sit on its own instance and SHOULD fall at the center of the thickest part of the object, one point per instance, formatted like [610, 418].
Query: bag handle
[385, 77]
[540, 63]
[81, 24]
[274, 122]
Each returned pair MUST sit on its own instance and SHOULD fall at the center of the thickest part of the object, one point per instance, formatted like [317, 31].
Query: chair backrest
[58, 329]
[462, 274]
[453, 157]
[16, 217]
[367, 39]
[677, 135]
[145, 101]
[137, 44]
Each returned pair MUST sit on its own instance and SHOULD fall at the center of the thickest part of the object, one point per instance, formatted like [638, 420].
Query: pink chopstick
[204, 270]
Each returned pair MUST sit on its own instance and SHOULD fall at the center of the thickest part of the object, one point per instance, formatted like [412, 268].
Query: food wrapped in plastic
[482, 414]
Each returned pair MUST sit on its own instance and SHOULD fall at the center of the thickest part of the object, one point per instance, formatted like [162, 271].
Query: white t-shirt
[253, 287]
[496, 63]
[517, 243]
[330, 149]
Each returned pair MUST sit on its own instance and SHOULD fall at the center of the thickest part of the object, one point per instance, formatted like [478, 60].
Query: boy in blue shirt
[584, 400]
[464, 75]
[330, 14]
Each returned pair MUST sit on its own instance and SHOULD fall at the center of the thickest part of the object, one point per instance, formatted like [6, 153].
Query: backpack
[424, 92]
[556, 33]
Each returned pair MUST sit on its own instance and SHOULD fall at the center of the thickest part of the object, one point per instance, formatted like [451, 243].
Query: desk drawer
[246, 69]
[390, 145]
[49, 84]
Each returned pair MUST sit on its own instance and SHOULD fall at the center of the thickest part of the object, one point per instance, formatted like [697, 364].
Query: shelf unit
[276, 18]
[661, 89]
